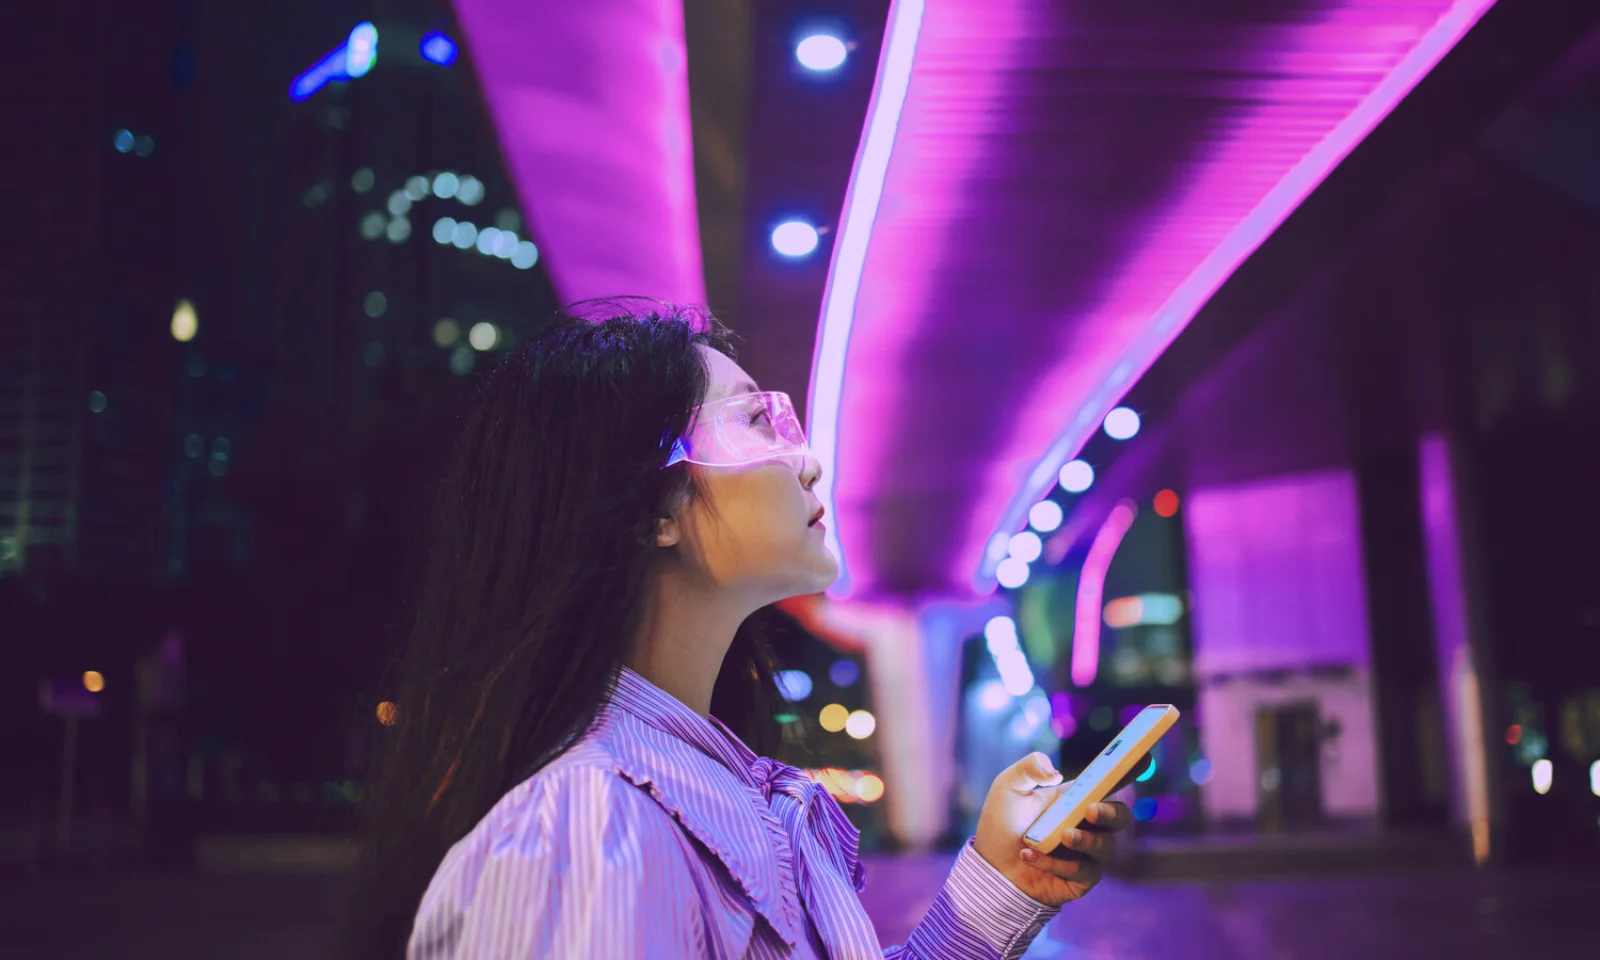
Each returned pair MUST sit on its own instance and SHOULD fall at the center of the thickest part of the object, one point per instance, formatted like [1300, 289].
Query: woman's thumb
[1034, 770]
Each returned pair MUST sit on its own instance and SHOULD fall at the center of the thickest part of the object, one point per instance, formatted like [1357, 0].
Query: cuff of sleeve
[983, 914]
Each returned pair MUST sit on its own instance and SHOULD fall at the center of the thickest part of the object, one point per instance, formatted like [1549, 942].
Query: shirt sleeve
[582, 865]
[979, 915]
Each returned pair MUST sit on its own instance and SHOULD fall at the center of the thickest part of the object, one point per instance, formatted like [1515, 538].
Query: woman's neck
[682, 639]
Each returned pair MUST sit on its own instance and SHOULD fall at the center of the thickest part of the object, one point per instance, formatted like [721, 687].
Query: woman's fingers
[1093, 844]
[1075, 868]
[1107, 816]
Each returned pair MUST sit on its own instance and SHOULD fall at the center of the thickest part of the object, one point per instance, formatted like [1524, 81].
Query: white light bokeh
[1045, 516]
[1011, 573]
[483, 336]
[821, 51]
[1122, 424]
[860, 724]
[1026, 546]
[1076, 476]
[794, 238]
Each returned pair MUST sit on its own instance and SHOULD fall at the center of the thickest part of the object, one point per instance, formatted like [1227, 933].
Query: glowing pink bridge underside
[1045, 194]
[591, 102]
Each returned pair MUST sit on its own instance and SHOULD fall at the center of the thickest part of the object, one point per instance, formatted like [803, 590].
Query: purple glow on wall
[850, 256]
[1241, 187]
[1276, 574]
[1091, 590]
[1275, 567]
[591, 103]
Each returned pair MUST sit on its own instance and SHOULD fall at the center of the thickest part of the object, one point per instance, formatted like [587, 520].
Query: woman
[575, 770]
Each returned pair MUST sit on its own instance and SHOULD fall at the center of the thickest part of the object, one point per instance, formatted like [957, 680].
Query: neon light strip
[1091, 590]
[850, 257]
[1174, 315]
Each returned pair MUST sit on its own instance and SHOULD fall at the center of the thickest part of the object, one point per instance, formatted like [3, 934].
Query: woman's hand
[1019, 794]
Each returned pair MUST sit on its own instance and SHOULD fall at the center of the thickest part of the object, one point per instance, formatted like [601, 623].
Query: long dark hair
[531, 586]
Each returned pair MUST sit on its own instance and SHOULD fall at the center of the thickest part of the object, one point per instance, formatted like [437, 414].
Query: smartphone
[1099, 777]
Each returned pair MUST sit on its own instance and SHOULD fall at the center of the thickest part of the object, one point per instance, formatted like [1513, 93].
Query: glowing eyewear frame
[742, 429]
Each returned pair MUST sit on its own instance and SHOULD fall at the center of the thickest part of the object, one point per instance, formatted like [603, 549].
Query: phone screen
[1094, 774]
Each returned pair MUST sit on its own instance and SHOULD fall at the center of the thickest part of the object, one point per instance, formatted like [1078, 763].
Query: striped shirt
[661, 835]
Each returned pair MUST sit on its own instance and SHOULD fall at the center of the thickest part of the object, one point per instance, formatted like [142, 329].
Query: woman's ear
[668, 532]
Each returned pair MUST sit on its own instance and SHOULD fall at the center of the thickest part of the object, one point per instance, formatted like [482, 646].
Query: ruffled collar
[647, 731]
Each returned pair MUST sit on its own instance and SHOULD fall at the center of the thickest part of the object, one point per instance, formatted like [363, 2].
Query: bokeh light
[1011, 573]
[1166, 503]
[1543, 776]
[1076, 476]
[1150, 772]
[388, 713]
[438, 48]
[1144, 809]
[1200, 771]
[833, 717]
[794, 238]
[869, 788]
[446, 333]
[93, 681]
[992, 696]
[843, 673]
[1026, 546]
[1045, 516]
[361, 50]
[373, 224]
[185, 320]
[795, 684]
[1001, 632]
[821, 51]
[525, 256]
[483, 336]
[1122, 424]
[860, 724]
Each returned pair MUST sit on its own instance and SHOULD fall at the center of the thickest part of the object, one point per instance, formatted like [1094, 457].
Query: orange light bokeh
[388, 713]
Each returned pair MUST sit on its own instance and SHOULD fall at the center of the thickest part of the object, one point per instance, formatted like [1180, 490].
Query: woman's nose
[810, 471]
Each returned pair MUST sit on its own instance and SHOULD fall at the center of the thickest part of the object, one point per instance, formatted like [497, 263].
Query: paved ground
[1455, 915]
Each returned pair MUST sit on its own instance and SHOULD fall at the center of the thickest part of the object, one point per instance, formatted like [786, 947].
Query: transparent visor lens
[747, 428]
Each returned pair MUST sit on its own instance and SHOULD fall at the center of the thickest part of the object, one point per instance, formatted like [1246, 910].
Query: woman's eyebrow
[747, 387]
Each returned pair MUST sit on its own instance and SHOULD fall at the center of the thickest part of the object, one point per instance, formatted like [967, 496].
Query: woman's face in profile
[753, 529]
